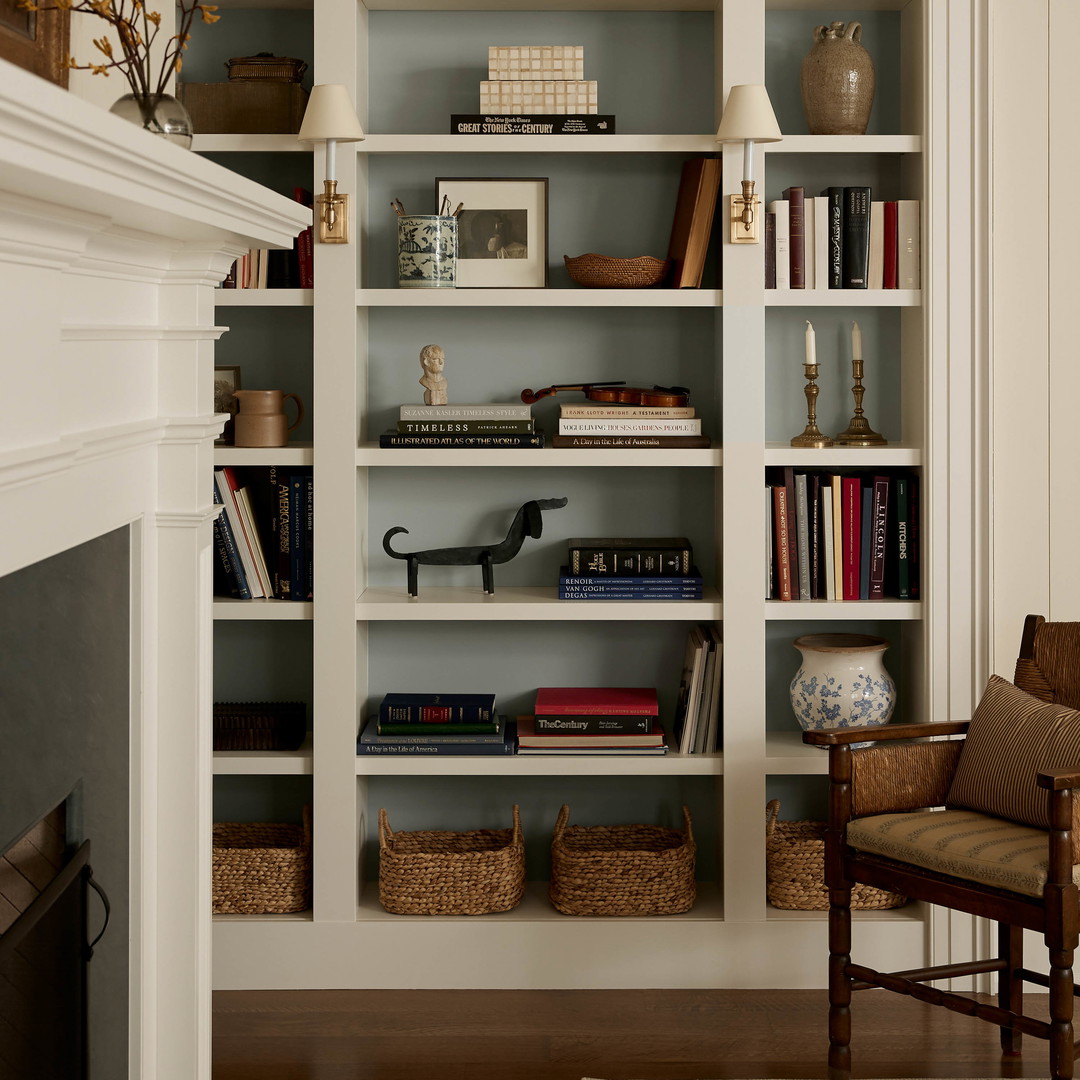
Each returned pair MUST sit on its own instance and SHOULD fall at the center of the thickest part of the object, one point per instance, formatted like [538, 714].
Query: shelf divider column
[337, 60]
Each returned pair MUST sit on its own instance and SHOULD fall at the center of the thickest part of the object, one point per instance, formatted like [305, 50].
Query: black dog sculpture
[527, 521]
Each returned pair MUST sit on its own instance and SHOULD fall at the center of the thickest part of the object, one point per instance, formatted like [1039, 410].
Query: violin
[619, 393]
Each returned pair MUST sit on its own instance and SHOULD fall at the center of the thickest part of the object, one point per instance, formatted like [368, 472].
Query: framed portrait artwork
[502, 230]
[226, 383]
[35, 40]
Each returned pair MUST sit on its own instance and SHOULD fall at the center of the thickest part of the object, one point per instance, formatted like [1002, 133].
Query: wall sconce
[748, 118]
[331, 118]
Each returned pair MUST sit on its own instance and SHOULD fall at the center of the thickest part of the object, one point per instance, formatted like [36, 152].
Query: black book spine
[770, 251]
[856, 241]
[835, 195]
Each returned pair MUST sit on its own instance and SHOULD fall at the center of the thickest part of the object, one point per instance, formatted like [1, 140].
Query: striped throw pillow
[1012, 736]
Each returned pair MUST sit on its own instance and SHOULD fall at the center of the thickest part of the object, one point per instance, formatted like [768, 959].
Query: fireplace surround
[111, 244]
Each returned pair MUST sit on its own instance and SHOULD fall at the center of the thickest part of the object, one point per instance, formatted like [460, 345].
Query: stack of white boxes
[544, 79]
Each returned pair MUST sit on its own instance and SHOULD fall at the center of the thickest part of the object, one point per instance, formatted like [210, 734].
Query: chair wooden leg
[1061, 1014]
[1010, 984]
[839, 984]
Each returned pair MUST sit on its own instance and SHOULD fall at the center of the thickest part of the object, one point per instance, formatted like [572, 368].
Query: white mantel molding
[72, 153]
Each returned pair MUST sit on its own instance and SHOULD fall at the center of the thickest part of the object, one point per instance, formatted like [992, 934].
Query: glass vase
[160, 114]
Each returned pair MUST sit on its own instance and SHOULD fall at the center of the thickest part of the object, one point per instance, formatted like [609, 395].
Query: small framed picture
[226, 383]
[502, 231]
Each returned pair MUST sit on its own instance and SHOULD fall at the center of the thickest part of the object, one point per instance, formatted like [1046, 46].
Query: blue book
[437, 709]
[569, 593]
[374, 744]
[864, 550]
[227, 553]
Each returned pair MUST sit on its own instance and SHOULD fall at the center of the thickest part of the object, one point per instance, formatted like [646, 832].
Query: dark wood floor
[568, 1034]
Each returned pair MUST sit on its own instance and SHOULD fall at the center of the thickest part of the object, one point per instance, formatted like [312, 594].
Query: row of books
[263, 535]
[841, 239]
[277, 268]
[493, 426]
[697, 713]
[578, 720]
[842, 536]
[630, 568]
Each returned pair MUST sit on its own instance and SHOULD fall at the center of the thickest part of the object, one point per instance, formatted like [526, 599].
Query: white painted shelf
[541, 765]
[556, 298]
[264, 762]
[545, 457]
[226, 608]
[798, 610]
[518, 603]
[271, 298]
[893, 455]
[298, 453]
[843, 297]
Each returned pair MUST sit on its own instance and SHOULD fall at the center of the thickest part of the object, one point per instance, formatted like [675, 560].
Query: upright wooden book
[692, 226]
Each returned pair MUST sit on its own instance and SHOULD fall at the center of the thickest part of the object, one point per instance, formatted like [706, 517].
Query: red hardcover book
[879, 531]
[890, 234]
[852, 530]
[796, 197]
[782, 527]
[304, 244]
[595, 700]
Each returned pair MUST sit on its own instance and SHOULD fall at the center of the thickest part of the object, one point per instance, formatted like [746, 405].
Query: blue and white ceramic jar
[842, 682]
[427, 251]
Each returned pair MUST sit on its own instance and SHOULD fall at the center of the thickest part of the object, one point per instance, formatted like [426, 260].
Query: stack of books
[841, 239]
[592, 720]
[263, 535]
[643, 426]
[535, 90]
[498, 426]
[630, 568]
[842, 536]
[423, 724]
[697, 715]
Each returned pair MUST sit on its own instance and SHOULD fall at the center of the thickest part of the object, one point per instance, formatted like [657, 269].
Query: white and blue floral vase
[842, 682]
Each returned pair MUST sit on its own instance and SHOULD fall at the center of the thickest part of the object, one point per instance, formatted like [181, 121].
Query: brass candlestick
[858, 431]
[811, 436]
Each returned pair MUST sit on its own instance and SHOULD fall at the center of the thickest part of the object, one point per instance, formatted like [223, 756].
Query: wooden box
[244, 107]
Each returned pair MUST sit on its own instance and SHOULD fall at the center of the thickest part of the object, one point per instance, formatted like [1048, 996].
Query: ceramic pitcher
[262, 420]
[837, 81]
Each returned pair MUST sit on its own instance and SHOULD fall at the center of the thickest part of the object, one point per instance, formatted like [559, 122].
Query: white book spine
[907, 244]
[585, 426]
[875, 273]
[779, 207]
[821, 241]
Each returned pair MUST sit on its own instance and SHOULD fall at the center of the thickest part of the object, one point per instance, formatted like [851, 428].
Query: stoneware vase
[842, 682]
[837, 81]
[160, 114]
[427, 251]
[261, 420]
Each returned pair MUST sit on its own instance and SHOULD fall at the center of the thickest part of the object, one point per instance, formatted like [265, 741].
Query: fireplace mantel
[111, 243]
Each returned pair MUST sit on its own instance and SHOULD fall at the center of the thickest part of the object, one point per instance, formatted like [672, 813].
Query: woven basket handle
[561, 820]
[515, 837]
[689, 826]
[772, 812]
[386, 834]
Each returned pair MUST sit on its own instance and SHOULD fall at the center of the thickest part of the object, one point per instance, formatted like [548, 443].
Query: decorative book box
[244, 107]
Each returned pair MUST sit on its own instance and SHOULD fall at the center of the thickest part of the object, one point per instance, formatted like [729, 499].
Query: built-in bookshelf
[350, 346]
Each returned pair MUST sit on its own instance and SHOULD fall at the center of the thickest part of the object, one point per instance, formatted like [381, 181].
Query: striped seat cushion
[1011, 737]
[960, 843]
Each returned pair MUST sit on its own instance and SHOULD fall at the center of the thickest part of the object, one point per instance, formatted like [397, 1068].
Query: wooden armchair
[987, 824]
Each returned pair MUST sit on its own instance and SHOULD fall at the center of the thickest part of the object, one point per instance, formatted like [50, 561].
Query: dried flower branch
[136, 29]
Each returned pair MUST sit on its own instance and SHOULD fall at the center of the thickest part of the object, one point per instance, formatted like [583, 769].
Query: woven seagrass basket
[607, 272]
[451, 873]
[795, 868]
[261, 868]
[622, 869]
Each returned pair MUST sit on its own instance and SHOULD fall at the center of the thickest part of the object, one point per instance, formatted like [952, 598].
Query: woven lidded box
[795, 868]
[244, 106]
[261, 868]
[622, 869]
[266, 66]
[259, 725]
[451, 873]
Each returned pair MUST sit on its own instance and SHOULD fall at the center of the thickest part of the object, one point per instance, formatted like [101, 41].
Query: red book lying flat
[609, 700]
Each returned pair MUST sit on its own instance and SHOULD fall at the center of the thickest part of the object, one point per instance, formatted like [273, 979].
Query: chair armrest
[1058, 779]
[842, 736]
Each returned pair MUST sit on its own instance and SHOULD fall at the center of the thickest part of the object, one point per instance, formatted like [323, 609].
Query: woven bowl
[605, 272]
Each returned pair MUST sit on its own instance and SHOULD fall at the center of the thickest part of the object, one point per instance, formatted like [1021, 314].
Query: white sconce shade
[748, 115]
[330, 115]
